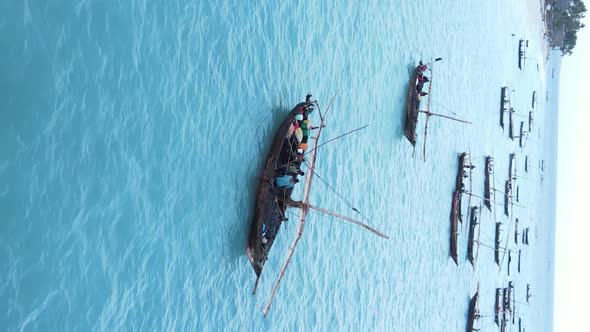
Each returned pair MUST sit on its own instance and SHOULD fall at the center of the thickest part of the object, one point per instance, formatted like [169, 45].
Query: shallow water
[132, 133]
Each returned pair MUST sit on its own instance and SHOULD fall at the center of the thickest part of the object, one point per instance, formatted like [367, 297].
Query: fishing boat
[489, 171]
[530, 121]
[497, 244]
[507, 195]
[511, 123]
[504, 306]
[525, 236]
[413, 106]
[520, 53]
[455, 212]
[473, 223]
[528, 292]
[516, 231]
[521, 134]
[534, 99]
[526, 164]
[271, 201]
[509, 260]
[473, 313]
[273, 197]
[509, 297]
[519, 255]
[503, 102]
[497, 307]
[512, 166]
[414, 101]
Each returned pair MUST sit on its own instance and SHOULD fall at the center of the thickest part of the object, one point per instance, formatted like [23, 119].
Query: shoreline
[536, 18]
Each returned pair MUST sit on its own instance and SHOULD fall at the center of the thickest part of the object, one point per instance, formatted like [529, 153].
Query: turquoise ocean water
[131, 135]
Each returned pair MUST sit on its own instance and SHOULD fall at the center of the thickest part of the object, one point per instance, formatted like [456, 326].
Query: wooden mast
[427, 111]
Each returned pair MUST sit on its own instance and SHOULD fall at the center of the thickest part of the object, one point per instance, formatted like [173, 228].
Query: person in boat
[294, 169]
[423, 79]
[286, 181]
[422, 66]
[263, 238]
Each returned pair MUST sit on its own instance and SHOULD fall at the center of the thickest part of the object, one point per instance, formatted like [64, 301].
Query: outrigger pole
[305, 207]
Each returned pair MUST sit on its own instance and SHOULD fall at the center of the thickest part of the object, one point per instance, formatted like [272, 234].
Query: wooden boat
[504, 305]
[516, 231]
[509, 260]
[511, 123]
[520, 54]
[528, 292]
[512, 166]
[503, 102]
[489, 171]
[455, 212]
[497, 244]
[271, 201]
[413, 102]
[473, 223]
[473, 313]
[519, 255]
[521, 135]
[507, 195]
[497, 307]
[526, 163]
[534, 99]
[509, 295]
[412, 107]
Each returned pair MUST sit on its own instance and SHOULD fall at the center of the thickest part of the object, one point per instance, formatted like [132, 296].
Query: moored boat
[413, 100]
[497, 244]
[473, 223]
[489, 171]
[272, 198]
[473, 313]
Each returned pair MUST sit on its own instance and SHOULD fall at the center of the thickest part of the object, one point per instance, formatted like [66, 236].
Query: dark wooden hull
[507, 194]
[472, 312]
[509, 260]
[412, 108]
[270, 206]
[516, 231]
[503, 102]
[521, 135]
[473, 223]
[455, 211]
[497, 307]
[520, 54]
[511, 166]
[511, 124]
[534, 100]
[497, 244]
[489, 171]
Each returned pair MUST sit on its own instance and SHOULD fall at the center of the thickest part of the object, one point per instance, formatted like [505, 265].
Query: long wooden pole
[428, 110]
[428, 113]
[345, 218]
[306, 189]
